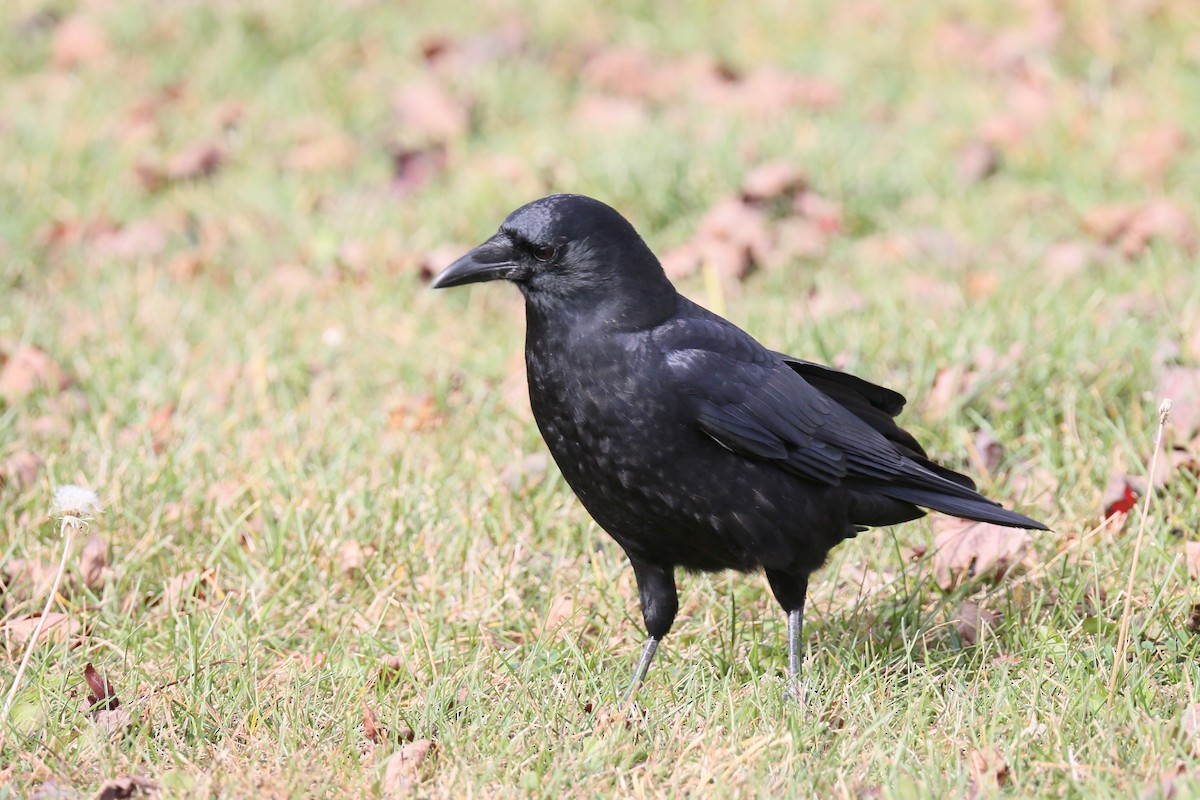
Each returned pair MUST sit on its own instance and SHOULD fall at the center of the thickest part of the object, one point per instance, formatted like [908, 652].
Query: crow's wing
[753, 403]
[873, 404]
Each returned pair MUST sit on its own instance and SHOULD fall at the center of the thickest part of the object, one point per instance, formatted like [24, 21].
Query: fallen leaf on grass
[504, 41]
[417, 412]
[1182, 385]
[197, 161]
[102, 706]
[977, 161]
[1189, 721]
[352, 557]
[1192, 556]
[989, 770]
[33, 578]
[78, 42]
[1151, 153]
[28, 370]
[391, 668]
[1033, 486]
[328, 151]
[1120, 496]
[561, 609]
[1069, 259]
[973, 620]
[403, 768]
[1131, 229]
[1166, 787]
[437, 259]
[609, 113]
[413, 167]
[377, 733]
[773, 179]
[20, 470]
[966, 549]
[127, 786]
[191, 586]
[518, 476]
[140, 239]
[986, 452]
[371, 727]
[101, 695]
[427, 113]
[57, 627]
[93, 559]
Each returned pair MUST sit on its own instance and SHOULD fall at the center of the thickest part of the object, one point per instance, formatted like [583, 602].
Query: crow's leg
[660, 602]
[790, 590]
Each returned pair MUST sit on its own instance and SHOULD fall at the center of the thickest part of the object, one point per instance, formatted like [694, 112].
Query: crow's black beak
[491, 261]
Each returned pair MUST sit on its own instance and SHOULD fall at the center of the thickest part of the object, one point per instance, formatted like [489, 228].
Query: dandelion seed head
[76, 501]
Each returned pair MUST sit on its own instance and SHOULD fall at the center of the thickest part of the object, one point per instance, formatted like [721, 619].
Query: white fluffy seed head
[74, 501]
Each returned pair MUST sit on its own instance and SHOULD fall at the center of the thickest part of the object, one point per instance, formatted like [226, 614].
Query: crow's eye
[544, 252]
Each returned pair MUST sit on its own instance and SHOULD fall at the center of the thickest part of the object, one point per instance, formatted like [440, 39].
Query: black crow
[689, 442]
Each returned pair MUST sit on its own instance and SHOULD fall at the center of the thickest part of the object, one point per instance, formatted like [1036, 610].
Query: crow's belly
[688, 502]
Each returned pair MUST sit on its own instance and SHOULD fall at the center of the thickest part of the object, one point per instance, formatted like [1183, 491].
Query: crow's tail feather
[978, 508]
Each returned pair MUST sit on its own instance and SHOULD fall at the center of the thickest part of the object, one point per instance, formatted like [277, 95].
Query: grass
[313, 395]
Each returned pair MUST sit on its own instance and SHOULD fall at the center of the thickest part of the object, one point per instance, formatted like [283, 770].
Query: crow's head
[563, 248]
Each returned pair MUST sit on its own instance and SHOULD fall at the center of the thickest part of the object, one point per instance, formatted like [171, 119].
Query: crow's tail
[978, 508]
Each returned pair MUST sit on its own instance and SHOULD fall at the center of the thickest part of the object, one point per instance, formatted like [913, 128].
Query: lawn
[334, 560]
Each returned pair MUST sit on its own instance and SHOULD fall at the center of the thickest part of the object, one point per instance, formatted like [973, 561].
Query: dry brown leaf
[977, 161]
[1069, 259]
[403, 768]
[763, 93]
[79, 42]
[29, 370]
[31, 577]
[518, 476]
[986, 452]
[93, 560]
[989, 769]
[773, 179]
[1189, 721]
[1132, 228]
[972, 621]
[1191, 552]
[609, 113]
[390, 668]
[193, 585]
[57, 627]
[140, 239]
[1033, 486]
[966, 549]
[1151, 153]
[561, 609]
[1182, 385]
[371, 727]
[434, 261]
[412, 168]
[426, 113]
[623, 71]
[418, 412]
[101, 695]
[352, 557]
[506, 40]
[127, 786]
[1166, 788]
[200, 160]
[331, 151]
[826, 213]
[1160, 220]
[20, 470]
[797, 238]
